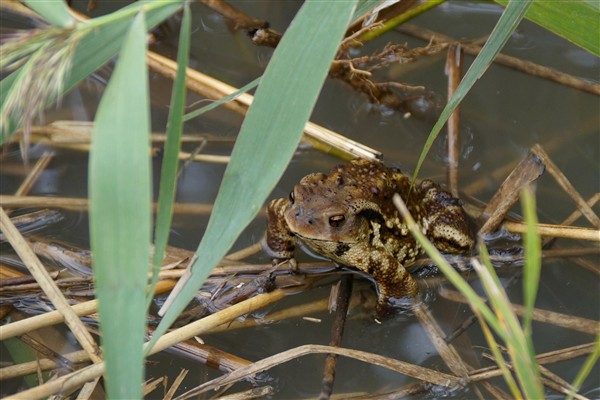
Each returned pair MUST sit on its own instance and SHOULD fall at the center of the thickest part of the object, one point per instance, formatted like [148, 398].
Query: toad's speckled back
[348, 216]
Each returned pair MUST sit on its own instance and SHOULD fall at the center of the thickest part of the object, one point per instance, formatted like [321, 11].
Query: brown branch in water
[454, 73]
[508, 61]
[528, 170]
[342, 302]
[549, 317]
[254, 393]
[239, 19]
[357, 72]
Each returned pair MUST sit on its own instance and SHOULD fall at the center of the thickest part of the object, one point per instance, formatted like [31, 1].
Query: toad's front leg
[279, 242]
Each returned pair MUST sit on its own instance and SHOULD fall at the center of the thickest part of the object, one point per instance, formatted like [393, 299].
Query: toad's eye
[292, 197]
[336, 220]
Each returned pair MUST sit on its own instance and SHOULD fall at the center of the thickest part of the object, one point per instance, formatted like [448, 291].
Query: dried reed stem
[401, 367]
[215, 89]
[55, 317]
[78, 378]
[570, 232]
[54, 294]
[43, 364]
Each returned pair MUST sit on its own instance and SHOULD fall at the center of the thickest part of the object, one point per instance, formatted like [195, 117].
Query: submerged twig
[448, 353]
[79, 204]
[342, 301]
[508, 61]
[550, 317]
[34, 174]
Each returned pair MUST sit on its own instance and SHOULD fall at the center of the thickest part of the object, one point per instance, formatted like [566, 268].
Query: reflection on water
[504, 115]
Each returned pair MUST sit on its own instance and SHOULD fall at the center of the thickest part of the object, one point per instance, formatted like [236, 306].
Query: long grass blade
[170, 163]
[222, 100]
[533, 259]
[495, 349]
[55, 12]
[120, 214]
[587, 367]
[512, 15]
[269, 135]
[519, 347]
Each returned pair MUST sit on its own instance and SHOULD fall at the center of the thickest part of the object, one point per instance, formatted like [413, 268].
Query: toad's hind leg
[446, 221]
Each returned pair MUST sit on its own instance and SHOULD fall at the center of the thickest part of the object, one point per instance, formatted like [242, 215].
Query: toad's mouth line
[308, 238]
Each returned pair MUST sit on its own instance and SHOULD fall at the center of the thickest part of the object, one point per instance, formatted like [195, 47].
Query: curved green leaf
[512, 15]
[576, 20]
[120, 192]
[269, 135]
[55, 12]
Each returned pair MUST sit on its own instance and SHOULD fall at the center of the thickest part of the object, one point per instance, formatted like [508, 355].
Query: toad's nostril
[310, 221]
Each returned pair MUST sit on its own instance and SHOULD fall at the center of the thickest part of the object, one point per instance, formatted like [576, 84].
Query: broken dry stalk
[569, 189]
[528, 170]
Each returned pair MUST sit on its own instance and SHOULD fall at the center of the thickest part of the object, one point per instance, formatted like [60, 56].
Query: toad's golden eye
[292, 197]
[336, 220]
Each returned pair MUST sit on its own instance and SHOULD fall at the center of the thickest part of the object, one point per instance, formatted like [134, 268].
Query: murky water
[503, 116]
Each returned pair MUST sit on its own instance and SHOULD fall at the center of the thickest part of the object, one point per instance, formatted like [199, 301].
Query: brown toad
[348, 216]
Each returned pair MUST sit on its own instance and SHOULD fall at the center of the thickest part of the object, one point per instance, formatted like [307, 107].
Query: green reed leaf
[120, 214]
[170, 162]
[508, 22]
[269, 135]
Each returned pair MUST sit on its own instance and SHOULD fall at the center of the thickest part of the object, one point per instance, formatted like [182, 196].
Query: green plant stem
[398, 20]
